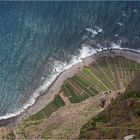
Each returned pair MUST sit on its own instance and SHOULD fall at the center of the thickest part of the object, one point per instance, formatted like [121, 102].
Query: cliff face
[121, 118]
[134, 85]
[87, 95]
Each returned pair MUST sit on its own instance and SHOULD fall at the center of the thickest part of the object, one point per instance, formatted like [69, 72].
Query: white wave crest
[135, 10]
[120, 24]
[115, 46]
[58, 67]
[94, 32]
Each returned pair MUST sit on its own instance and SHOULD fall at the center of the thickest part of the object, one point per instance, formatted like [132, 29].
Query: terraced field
[107, 74]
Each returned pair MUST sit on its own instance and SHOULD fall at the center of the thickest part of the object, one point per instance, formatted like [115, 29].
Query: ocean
[39, 40]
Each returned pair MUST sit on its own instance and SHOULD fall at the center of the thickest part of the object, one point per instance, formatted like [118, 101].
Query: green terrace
[107, 74]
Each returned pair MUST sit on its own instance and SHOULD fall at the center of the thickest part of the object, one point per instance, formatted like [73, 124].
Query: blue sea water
[37, 39]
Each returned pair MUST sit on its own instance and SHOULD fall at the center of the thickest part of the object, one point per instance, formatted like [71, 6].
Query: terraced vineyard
[107, 74]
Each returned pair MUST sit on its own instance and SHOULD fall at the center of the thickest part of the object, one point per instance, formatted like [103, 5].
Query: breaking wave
[29, 38]
[58, 68]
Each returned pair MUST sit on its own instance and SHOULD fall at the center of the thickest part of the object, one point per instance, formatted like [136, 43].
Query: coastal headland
[48, 96]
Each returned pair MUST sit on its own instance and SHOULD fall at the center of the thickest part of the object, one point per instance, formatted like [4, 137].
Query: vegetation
[108, 74]
[45, 112]
[118, 120]
[10, 135]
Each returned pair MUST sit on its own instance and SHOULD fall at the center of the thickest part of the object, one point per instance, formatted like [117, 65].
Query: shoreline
[47, 96]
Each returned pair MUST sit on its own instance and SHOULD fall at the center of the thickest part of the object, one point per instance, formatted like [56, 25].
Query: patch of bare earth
[68, 120]
[64, 98]
[3, 132]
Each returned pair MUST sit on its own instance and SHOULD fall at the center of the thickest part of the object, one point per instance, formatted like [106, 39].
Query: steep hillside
[120, 119]
[134, 85]
[82, 97]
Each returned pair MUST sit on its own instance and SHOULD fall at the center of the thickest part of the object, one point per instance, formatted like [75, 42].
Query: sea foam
[95, 31]
[58, 68]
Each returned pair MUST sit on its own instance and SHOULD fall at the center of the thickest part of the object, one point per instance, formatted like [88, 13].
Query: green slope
[119, 119]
